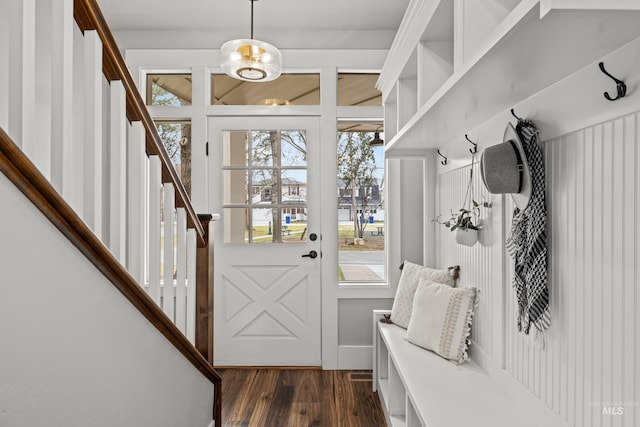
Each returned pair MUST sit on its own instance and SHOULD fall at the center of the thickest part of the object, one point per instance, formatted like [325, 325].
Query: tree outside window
[359, 179]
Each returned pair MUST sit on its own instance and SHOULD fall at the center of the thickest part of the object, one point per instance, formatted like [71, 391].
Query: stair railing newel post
[204, 292]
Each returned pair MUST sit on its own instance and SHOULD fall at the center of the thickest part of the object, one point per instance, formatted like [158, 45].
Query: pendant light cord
[469, 187]
[252, 1]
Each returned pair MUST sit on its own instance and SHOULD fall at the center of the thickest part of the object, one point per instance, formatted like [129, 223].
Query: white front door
[264, 180]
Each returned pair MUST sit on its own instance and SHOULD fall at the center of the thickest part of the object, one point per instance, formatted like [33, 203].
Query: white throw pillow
[409, 281]
[441, 319]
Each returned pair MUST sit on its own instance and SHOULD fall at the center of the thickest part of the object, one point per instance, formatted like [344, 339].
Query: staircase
[77, 141]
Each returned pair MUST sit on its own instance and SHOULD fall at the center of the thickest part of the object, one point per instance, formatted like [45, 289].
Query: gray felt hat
[504, 168]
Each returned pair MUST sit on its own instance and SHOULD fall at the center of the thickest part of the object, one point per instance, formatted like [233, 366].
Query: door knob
[311, 254]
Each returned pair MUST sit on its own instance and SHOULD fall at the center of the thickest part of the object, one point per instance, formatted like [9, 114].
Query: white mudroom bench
[418, 388]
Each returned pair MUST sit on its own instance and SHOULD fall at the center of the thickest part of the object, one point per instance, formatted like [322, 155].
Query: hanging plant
[466, 222]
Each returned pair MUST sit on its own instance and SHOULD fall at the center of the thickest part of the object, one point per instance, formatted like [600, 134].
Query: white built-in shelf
[470, 70]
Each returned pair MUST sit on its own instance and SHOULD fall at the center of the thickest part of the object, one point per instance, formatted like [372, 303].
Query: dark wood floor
[297, 398]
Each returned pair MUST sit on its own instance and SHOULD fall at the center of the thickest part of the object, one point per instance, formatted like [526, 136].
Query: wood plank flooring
[297, 398]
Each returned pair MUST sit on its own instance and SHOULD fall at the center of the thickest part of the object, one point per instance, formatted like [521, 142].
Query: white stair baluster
[72, 158]
[4, 67]
[118, 171]
[155, 189]
[136, 165]
[22, 69]
[168, 291]
[93, 131]
[181, 271]
[62, 87]
[40, 150]
[192, 248]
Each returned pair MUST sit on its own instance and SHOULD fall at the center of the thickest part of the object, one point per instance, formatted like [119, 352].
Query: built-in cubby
[436, 52]
[477, 20]
[391, 114]
[407, 87]
[455, 64]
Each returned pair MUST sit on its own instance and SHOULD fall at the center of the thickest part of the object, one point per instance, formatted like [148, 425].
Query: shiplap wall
[587, 372]
[476, 262]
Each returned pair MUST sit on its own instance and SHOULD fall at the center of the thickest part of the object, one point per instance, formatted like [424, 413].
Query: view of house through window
[361, 221]
[265, 186]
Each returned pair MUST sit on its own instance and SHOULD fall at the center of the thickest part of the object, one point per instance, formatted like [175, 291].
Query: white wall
[590, 362]
[74, 350]
[354, 332]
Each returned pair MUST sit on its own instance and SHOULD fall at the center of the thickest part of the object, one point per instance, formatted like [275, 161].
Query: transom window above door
[264, 186]
[288, 89]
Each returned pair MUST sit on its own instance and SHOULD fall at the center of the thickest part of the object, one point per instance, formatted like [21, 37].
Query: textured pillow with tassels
[409, 281]
[441, 319]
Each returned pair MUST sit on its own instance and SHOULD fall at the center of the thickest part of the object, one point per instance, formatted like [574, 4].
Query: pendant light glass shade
[251, 60]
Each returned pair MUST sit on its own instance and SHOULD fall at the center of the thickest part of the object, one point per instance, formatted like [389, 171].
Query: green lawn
[372, 242]
[290, 232]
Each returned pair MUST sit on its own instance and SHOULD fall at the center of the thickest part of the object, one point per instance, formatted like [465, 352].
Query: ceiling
[285, 23]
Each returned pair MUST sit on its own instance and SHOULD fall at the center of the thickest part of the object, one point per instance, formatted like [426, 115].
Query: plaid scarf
[527, 244]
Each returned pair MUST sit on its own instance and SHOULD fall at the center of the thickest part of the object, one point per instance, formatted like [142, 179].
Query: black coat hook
[620, 86]
[514, 115]
[443, 162]
[473, 150]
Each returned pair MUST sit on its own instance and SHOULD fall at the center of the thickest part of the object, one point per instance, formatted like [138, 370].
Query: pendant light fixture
[251, 60]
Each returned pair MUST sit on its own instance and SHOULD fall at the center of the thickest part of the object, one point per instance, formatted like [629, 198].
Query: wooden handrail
[28, 179]
[89, 17]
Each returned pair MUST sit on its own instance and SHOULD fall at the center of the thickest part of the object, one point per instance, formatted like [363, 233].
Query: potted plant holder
[467, 236]
[466, 222]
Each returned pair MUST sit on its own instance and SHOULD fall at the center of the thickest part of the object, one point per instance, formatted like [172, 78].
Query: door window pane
[264, 146]
[262, 226]
[275, 196]
[294, 148]
[235, 189]
[236, 224]
[294, 186]
[264, 186]
[294, 224]
[234, 147]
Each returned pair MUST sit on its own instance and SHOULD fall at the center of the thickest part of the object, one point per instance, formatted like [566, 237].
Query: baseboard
[355, 357]
[536, 409]
[251, 363]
